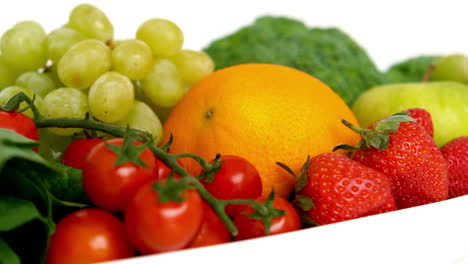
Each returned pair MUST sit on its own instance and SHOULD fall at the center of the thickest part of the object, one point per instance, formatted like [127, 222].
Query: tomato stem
[169, 159]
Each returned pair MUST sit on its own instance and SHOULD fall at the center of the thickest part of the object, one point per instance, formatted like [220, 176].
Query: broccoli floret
[325, 53]
[409, 70]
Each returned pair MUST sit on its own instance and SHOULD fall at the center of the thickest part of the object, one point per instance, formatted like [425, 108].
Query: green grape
[39, 83]
[83, 63]
[163, 36]
[51, 145]
[193, 65]
[142, 117]
[7, 93]
[7, 75]
[111, 97]
[24, 46]
[161, 112]
[65, 102]
[132, 58]
[163, 85]
[450, 68]
[60, 40]
[92, 22]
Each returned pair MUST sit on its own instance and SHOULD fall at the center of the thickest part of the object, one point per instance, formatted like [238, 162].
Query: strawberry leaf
[392, 123]
[344, 146]
[387, 127]
[286, 168]
[303, 202]
[302, 179]
[306, 220]
[399, 117]
[377, 140]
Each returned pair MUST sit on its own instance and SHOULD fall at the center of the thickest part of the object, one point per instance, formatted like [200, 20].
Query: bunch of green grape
[80, 68]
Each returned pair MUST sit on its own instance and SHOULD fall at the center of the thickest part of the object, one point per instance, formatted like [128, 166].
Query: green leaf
[170, 189]
[128, 152]
[302, 179]
[345, 147]
[66, 184]
[267, 212]
[30, 185]
[303, 202]
[387, 127]
[14, 145]
[398, 117]
[7, 255]
[306, 221]
[15, 212]
[378, 140]
[168, 144]
[26, 184]
[208, 175]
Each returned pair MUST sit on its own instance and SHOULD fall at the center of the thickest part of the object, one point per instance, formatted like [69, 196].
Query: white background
[389, 30]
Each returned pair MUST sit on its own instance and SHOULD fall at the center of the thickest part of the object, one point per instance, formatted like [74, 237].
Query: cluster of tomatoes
[129, 218]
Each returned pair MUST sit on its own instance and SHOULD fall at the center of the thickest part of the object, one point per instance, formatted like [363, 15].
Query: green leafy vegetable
[32, 190]
[7, 255]
[409, 70]
[326, 53]
[15, 212]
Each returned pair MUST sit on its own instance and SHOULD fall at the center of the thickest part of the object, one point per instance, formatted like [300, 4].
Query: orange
[264, 113]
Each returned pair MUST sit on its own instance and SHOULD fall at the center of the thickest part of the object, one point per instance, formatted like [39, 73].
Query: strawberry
[455, 153]
[423, 118]
[341, 189]
[401, 148]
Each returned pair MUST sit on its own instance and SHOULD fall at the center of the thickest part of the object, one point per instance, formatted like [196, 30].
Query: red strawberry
[455, 153]
[423, 118]
[342, 189]
[401, 148]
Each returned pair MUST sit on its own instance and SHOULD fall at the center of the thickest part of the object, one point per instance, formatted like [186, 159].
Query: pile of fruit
[116, 148]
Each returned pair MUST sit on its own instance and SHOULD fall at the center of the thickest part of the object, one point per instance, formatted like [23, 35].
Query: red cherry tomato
[237, 179]
[154, 227]
[88, 236]
[111, 187]
[250, 228]
[212, 230]
[19, 123]
[76, 153]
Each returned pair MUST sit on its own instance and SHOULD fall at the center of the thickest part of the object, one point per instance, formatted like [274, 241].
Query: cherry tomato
[154, 227]
[19, 123]
[212, 230]
[111, 187]
[250, 228]
[237, 179]
[88, 236]
[76, 153]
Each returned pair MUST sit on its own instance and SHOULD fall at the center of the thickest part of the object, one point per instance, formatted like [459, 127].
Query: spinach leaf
[32, 191]
[7, 255]
[15, 212]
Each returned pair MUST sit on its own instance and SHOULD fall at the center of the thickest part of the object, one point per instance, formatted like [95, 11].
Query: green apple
[447, 102]
[450, 68]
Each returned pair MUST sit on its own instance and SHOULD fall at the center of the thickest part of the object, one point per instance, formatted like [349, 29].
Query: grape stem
[170, 160]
